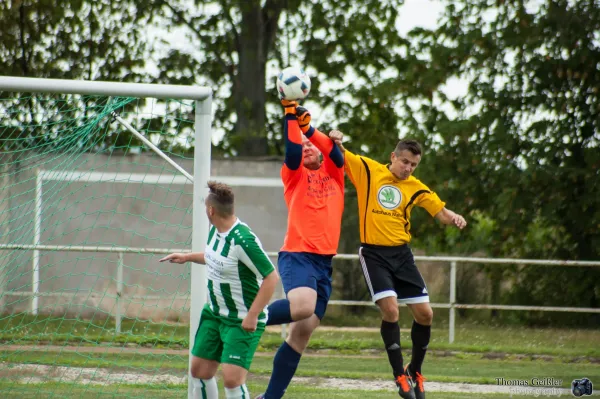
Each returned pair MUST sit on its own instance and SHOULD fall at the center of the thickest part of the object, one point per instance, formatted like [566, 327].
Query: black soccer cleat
[418, 382]
[405, 387]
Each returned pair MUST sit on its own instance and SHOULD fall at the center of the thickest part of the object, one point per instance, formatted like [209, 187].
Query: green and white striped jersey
[236, 265]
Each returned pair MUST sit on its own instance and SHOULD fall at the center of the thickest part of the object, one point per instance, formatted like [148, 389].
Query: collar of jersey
[237, 221]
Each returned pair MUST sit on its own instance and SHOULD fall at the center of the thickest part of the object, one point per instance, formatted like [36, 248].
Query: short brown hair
[221, 197]
[410, 145]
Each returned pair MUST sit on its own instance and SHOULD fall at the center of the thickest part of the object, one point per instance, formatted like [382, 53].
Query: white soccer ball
[293, 84]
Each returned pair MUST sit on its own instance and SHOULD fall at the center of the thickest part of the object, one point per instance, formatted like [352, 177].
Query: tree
[237, 41]
[96, 40]
[78, 40]
[520, 150]
[235, 47]
[524, 144]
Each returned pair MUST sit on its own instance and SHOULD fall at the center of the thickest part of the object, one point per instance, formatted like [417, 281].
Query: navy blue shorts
[303, 269]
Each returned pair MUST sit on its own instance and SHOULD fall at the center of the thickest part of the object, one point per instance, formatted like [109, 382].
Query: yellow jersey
[385, 202]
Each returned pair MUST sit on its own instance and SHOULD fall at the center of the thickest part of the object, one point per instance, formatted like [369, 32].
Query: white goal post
[202, 154]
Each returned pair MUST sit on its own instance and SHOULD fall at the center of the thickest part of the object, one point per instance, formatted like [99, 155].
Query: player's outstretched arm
[446, 216]
[178, 257]
[292, 135]
[320, 140]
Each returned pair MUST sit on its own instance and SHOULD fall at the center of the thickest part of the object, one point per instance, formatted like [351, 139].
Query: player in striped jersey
[241, 281]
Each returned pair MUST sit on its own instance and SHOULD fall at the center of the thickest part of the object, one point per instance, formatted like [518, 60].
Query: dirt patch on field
[31, 373]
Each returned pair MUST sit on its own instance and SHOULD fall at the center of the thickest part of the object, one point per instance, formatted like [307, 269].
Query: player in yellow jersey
[387, 195]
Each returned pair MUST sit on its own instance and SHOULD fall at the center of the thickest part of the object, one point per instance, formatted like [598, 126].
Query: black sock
[420, 336]
[390, 332]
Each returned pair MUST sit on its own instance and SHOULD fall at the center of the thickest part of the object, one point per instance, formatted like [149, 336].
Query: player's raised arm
[357, 167]
[320, 140]
[292, 136]
[337, 138]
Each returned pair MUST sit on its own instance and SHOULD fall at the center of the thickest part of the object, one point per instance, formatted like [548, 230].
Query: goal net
[86, 211]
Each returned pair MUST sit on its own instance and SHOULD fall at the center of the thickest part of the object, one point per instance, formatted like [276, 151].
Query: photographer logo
[581, 387]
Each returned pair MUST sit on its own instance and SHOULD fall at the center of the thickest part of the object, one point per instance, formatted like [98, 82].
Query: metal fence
[451, 305]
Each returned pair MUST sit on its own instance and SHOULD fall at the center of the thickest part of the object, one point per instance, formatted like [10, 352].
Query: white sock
[240, 392]
[205, 389]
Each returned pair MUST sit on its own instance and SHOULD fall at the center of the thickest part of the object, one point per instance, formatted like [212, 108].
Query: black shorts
[391, 271]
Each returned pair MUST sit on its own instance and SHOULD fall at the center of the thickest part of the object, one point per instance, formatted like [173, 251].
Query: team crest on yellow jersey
[389, 197]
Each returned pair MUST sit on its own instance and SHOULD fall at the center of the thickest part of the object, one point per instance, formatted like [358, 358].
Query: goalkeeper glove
[289, 107]
[304, 119]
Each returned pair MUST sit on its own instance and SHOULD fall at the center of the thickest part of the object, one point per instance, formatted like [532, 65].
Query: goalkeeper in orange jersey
[387, 195]
[314, 194]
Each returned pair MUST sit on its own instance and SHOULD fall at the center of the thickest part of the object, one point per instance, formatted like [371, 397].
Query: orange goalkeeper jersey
[315, 200]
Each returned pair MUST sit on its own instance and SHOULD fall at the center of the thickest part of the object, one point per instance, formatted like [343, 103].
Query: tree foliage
[77, 39]
[517, 152]
[522, 146]
[238, 47]
[93, 40]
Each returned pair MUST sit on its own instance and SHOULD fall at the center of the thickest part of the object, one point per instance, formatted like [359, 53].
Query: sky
[414, 13]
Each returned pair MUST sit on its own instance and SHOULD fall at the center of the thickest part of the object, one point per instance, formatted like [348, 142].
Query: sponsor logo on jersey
[389, 197]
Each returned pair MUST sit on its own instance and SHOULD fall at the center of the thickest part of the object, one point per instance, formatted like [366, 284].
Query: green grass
[439, 369]
[471, 368]
[27, 329]
[512, 340]
[480, 354]
[70, 391]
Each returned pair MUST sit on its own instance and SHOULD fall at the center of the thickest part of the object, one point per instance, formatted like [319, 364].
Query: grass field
[69, 391]
[458, 368]
[480, 355]
[27, 329]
